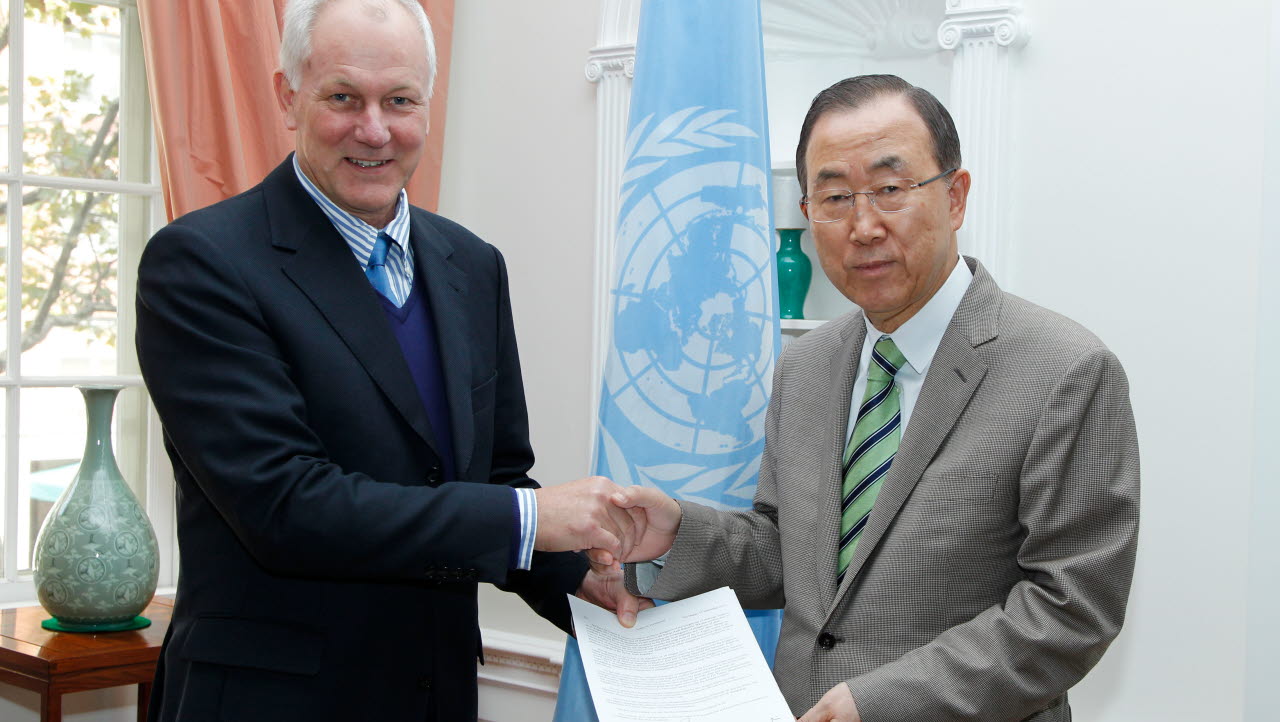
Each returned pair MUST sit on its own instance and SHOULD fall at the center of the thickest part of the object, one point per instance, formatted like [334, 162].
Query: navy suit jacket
[328, 570]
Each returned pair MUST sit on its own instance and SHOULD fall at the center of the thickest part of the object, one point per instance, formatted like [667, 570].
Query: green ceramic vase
[96, 558]
[795, 270]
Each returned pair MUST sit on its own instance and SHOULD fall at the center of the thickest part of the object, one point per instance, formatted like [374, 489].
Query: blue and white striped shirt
[360, 237]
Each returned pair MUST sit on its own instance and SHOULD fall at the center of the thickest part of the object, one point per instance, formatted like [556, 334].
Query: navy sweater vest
[416, 331]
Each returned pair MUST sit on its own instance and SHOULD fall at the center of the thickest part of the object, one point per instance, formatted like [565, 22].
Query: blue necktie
[377, 270]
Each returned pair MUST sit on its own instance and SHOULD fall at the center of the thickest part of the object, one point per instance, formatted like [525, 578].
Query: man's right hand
[581, 515]
[657, 521]
[837, 705]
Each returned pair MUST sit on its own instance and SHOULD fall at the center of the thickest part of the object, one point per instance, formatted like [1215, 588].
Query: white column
[611, 66]
[983, 35]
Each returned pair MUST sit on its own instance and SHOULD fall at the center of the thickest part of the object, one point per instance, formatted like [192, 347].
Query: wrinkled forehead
[843, 173]
[887, 139]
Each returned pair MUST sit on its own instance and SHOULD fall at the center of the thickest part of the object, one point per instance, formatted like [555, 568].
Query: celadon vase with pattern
[96, 558]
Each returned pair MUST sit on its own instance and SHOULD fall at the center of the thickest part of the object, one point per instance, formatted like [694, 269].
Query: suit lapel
[954, 375]
[322, 267]
[446, 289]
[844, 368]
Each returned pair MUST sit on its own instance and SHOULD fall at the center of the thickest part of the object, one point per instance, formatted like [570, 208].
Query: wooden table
[55, 663]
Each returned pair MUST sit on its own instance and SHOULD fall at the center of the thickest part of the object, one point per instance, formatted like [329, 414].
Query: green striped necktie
[871, 447]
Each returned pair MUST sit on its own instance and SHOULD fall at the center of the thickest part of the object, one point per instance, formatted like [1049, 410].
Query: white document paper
[694, 660]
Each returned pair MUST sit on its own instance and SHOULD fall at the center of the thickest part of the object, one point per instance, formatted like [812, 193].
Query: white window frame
[17, 588]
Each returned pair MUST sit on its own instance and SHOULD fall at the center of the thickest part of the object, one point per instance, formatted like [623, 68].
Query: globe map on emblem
[683, 321]
[686, 383]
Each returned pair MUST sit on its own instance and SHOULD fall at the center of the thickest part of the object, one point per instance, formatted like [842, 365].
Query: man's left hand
[836, 705]
[608, 591]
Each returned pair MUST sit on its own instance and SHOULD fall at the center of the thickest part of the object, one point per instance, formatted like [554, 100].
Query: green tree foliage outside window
[70, 242]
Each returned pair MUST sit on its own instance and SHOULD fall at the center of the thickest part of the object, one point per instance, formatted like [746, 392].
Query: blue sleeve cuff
[526, 508]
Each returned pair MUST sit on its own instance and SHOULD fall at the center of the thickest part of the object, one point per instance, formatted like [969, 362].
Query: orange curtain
[218, 127]
[424, 187]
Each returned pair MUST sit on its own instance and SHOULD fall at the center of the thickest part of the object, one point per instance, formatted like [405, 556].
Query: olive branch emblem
[686, 131]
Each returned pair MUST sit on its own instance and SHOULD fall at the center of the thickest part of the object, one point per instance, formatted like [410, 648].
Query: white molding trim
[520, 677]
[94, 185]
[611, 60]
[57, 382]
[532, 650]
[982, 35]
[611, 66]
[1002, 23]
[801, 324]
[831, 29]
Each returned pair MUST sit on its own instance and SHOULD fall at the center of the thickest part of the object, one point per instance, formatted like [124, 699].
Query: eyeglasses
[893, 196]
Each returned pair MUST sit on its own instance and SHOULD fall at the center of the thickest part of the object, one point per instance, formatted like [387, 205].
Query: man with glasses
[948, 501]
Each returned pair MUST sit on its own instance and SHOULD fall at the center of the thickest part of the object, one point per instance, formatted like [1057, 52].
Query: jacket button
[435, 475]
[826, 640]
[425, 683]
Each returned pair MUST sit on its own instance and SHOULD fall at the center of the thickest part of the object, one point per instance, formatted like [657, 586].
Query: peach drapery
[218, 126]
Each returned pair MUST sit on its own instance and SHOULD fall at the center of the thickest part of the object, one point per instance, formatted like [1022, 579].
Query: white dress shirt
[917, 339]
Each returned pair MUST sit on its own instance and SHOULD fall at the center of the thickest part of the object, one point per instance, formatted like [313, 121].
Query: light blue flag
[695, 320]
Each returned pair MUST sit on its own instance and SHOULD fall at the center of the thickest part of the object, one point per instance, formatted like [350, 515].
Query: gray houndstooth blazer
[995, 567]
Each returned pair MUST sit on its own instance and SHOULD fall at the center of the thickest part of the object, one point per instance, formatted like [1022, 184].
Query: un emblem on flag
[686, 387]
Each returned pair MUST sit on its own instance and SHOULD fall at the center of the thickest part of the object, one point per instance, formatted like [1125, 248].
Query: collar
[919, 337]
[360, 236]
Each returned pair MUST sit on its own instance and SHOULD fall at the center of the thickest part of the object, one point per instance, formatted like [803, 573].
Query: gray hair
[853, 93]
[300, 20]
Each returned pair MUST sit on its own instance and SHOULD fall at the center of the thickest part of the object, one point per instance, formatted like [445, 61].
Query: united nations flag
[695, 321]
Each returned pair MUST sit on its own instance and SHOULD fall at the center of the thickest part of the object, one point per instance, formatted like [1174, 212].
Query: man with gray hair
[947, 509]
[337, 376]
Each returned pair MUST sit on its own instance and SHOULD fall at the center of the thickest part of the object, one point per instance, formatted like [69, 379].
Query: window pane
[51, 443]
[135, 106]
[3, 532]
[51, 440]
[70, 258]
[5, 56]
[71, 89]
[4, 271]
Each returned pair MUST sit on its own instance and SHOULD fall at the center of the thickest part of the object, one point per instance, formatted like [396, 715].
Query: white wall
[1128, 119]
[1262, 667]
[521, 128]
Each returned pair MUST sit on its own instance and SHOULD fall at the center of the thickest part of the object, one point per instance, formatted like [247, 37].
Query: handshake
[613, 525]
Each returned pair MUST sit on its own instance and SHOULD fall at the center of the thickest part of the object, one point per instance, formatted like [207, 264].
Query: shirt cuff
[526, 503]
[647, 573]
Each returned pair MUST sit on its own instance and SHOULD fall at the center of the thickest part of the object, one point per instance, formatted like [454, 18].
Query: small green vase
[795, 270]
[96, 558]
